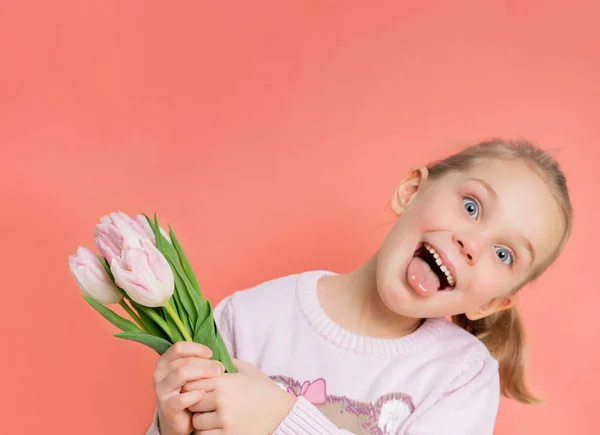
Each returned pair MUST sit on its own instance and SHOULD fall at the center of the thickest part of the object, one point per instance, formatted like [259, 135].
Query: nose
[468, 245]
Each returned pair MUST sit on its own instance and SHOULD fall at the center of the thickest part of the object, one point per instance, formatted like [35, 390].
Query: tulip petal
[135, 225]
[131, 234]
[109, 240]
[144, 274]
[91, 277]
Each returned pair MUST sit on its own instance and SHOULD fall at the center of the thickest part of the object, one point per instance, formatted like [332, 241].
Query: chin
[396, 295]
[401, 300]
[391, 269]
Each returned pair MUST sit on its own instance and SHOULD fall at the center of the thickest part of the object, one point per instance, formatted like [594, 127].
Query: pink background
[271, 135]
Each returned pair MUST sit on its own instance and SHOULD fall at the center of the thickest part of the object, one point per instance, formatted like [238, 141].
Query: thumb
[243, 366]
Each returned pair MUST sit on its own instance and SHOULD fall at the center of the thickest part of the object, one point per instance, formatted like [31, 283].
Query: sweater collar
[331, 331]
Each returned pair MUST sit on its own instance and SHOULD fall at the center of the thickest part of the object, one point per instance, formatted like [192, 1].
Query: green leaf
[207, 333]
[158, 344]
[176, 306]
[223, 354]
[181, 312]
[152, 326]
[205, 310]
[156, 230]
[187, 267]
[205, 330]
[184, 296]
[156, 317]
[120, 322]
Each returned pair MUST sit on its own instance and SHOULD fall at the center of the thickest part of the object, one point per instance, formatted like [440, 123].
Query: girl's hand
[182, 362]
[242, 403]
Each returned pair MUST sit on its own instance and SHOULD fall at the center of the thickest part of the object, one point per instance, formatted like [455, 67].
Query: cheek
[490, 282]
[436, 215]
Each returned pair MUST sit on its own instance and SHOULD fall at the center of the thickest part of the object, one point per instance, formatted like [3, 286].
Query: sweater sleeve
[224, 320]
[306, 419]
[469, 409]
[153, 429]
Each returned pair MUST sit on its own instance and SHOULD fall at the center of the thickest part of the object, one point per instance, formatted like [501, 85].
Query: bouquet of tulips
[143, 268]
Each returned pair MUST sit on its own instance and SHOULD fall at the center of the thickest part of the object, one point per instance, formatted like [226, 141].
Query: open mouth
[431, 257]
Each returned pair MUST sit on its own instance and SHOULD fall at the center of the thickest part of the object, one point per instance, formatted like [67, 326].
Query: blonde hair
[503, 332]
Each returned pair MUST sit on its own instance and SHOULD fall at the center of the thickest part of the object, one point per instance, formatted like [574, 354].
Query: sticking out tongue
[421, 278]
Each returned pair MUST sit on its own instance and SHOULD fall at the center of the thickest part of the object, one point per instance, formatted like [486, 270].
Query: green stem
[133, 315]
[169, 309]
[160, 321]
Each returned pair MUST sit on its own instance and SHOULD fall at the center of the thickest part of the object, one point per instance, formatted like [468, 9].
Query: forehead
[525, 206]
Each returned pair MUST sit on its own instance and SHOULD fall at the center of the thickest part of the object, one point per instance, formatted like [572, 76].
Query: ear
[407, 189]
[495, 305]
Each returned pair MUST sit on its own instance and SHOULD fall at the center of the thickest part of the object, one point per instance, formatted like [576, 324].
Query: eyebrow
[492, 193]
[530, 249]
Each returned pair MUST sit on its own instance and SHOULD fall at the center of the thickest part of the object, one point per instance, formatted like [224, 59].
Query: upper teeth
[439, 262]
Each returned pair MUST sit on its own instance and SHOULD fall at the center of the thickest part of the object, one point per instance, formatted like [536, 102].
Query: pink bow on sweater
[314, 391]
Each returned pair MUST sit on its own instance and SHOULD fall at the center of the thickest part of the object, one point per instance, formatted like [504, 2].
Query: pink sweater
[437, 380]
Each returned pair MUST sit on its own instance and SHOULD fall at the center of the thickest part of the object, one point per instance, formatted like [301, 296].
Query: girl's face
[465, 242]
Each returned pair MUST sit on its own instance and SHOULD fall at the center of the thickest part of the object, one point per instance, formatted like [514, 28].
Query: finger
[179, 402]
[206, 421]
[209, 432]
[242, 366]
[211, 367]
[178, 377]
[208, 403]
[183, 349]
[206, 384]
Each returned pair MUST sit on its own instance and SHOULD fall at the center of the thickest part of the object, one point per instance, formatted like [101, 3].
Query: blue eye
[471, 207]
[504, 255]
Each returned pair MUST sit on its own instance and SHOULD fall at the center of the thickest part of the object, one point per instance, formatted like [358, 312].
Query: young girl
[371, 351]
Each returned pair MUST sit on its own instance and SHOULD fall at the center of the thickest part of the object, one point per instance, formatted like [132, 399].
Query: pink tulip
[141, 219]
[92, 278]
[144, 273]
[116, 232]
